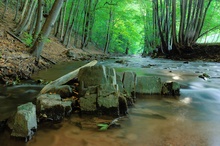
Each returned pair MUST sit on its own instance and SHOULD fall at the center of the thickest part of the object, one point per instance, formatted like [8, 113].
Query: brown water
[191, 120]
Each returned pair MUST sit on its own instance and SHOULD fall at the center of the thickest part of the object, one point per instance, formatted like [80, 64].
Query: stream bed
[192, 119]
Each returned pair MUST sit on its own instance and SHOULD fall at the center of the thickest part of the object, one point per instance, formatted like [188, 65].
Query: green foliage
[126, 29]
[27, 38]
[132, 24]
[103, 127]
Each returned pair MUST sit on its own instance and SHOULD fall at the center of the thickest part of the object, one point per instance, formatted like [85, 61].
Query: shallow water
[155, 120]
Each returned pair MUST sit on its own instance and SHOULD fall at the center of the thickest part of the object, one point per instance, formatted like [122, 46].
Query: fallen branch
[66, 78]
[14, 36]
[48, 59]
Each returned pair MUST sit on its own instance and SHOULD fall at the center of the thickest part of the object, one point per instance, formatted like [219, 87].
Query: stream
[155, 120]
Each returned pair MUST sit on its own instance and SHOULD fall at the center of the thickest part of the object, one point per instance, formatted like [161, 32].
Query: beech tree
[88, 21]
[109, 27]
[46, 29]
[192, 18]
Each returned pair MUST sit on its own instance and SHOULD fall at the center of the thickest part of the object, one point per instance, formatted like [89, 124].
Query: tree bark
[108, 30]
[39, 19]
[5, 9]
[46, 29]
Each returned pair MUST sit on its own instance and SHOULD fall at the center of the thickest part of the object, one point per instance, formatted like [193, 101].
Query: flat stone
[148, 85]
[24, 123]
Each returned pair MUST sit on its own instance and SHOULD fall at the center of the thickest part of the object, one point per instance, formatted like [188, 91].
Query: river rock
[52, 107]
[148, 85]
[109, 105]
[88, 103]
[129, 82]
[98, 90]
[92, 76]
[108, 99]
[120, 84]
[24, 123]
[64, 91]
[171, 88]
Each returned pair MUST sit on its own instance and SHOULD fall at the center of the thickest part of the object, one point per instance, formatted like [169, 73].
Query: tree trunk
[5, 9]
[68, 24]
[73, 23]
[27, 19]
[16, 12]
[46, 29]
[108, 30]
[23, 11]
[39, 19]
[63, 20]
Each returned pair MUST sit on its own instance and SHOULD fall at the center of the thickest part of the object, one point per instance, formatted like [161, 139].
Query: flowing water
[191, 120]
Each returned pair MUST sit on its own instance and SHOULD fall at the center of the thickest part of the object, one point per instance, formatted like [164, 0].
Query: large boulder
[52, 107]
[24, 123]
[99, 91]
[148, 85]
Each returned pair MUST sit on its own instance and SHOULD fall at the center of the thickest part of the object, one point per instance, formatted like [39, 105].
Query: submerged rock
[24, 123]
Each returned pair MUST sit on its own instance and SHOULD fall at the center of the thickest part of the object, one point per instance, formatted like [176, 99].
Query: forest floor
[17, 63]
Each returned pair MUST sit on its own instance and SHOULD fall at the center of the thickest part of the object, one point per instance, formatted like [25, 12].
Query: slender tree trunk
[76, 38]
[31, 17]
[68, 23]
[106, 48]
[39, 19]
[23, 11]
[63, 20]
[76, 12]
[5, 9]
[16, 12]
[46, 29]
[27, 19]
[86, 23]
[33, 24]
